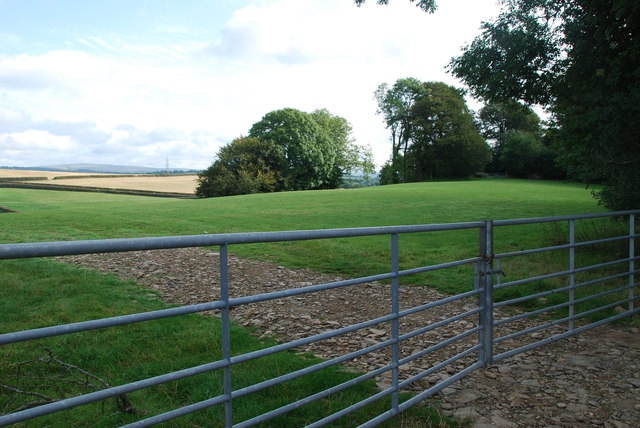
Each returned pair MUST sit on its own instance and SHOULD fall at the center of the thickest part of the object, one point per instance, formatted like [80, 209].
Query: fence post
[485, 356]
[226, 334]
[632, 254]
[572, 267]
[395, 324]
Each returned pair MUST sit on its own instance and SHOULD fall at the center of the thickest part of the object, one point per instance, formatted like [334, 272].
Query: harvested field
[23, 173]
[170, 183]
[184, 184]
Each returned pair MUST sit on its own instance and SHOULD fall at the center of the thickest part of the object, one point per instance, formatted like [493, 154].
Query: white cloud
[184, 96]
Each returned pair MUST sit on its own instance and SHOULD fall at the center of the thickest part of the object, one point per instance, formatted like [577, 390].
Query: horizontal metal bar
[531, 251]
[65, 248]
[182, 411]
[351, 408]
[115, 391]
[439, 387]
[438, 324]
[562, 320]
[440, 365]
[560, 290]
[552, 339]
[57, 330]
[308, 370]
[515, 222]
[562, 273]
[562, 247]
[562, 305]
[439, 345]
[531, 279]
[305, 341]
[440, 302]
[297, 404]
[439, 266]
[256, 298]
[605, 240]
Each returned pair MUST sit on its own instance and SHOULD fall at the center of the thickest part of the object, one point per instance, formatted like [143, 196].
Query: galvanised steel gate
[573, 287]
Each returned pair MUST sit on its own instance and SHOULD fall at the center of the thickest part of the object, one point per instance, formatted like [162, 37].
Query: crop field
[184, 184]
[50, 292]
[49, 175]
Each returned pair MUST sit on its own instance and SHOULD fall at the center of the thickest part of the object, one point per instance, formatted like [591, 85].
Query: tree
[287, 150]
[394, 104]
[350, 157]
[317, 147]
[246, 165]
[306, 148]
[432, 132]
[580, 59]
[446, 143]
[497, 118]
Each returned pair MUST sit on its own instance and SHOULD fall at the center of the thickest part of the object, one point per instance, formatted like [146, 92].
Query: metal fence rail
[477, 342]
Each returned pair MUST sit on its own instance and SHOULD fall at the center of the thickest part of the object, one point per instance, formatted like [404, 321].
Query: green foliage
[287, 150]
[580, 59]
[306, 147]
[247, 165]
[446, 143]
[523, 155]
[432, 132]
[497, 119]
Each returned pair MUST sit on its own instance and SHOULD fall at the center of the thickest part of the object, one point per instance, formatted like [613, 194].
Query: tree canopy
[432, 132]
[286, 150]
[581, 60]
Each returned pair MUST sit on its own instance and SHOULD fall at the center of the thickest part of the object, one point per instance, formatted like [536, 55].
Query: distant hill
[100, 168]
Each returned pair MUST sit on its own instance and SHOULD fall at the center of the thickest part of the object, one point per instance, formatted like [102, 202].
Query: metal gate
[479, 344]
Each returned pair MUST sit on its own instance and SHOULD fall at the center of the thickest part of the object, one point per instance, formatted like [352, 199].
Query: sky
[151, 82]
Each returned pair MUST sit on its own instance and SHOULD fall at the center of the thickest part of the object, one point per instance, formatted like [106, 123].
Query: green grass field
[52, 216]
[42, 292]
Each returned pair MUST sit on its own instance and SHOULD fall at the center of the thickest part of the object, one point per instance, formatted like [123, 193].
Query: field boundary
[65, 187]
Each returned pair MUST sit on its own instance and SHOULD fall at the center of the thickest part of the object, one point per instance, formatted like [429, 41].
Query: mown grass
[37, 293]
[52, 216]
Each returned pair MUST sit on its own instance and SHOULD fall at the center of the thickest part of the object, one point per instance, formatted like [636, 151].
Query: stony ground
[592, 379]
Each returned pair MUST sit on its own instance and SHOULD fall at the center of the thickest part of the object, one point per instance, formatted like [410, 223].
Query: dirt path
[589, 380]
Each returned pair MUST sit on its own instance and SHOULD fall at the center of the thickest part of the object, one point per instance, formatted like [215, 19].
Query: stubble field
[184, 184]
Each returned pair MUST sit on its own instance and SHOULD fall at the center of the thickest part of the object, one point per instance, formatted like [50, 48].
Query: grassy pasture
[52, 216]
[52, 293]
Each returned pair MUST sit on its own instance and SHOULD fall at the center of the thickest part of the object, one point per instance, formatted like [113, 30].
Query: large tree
[498, 119]
[581, 60]
[446, 142]
[305, 146]
[395, 104]
[317, 147]
[246, 165]
[432, 132]
[287, 150]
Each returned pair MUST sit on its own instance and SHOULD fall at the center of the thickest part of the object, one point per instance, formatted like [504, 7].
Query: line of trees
[579, 60]
[287, 149]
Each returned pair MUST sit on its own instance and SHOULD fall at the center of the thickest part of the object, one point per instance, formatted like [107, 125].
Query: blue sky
[137, 82]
